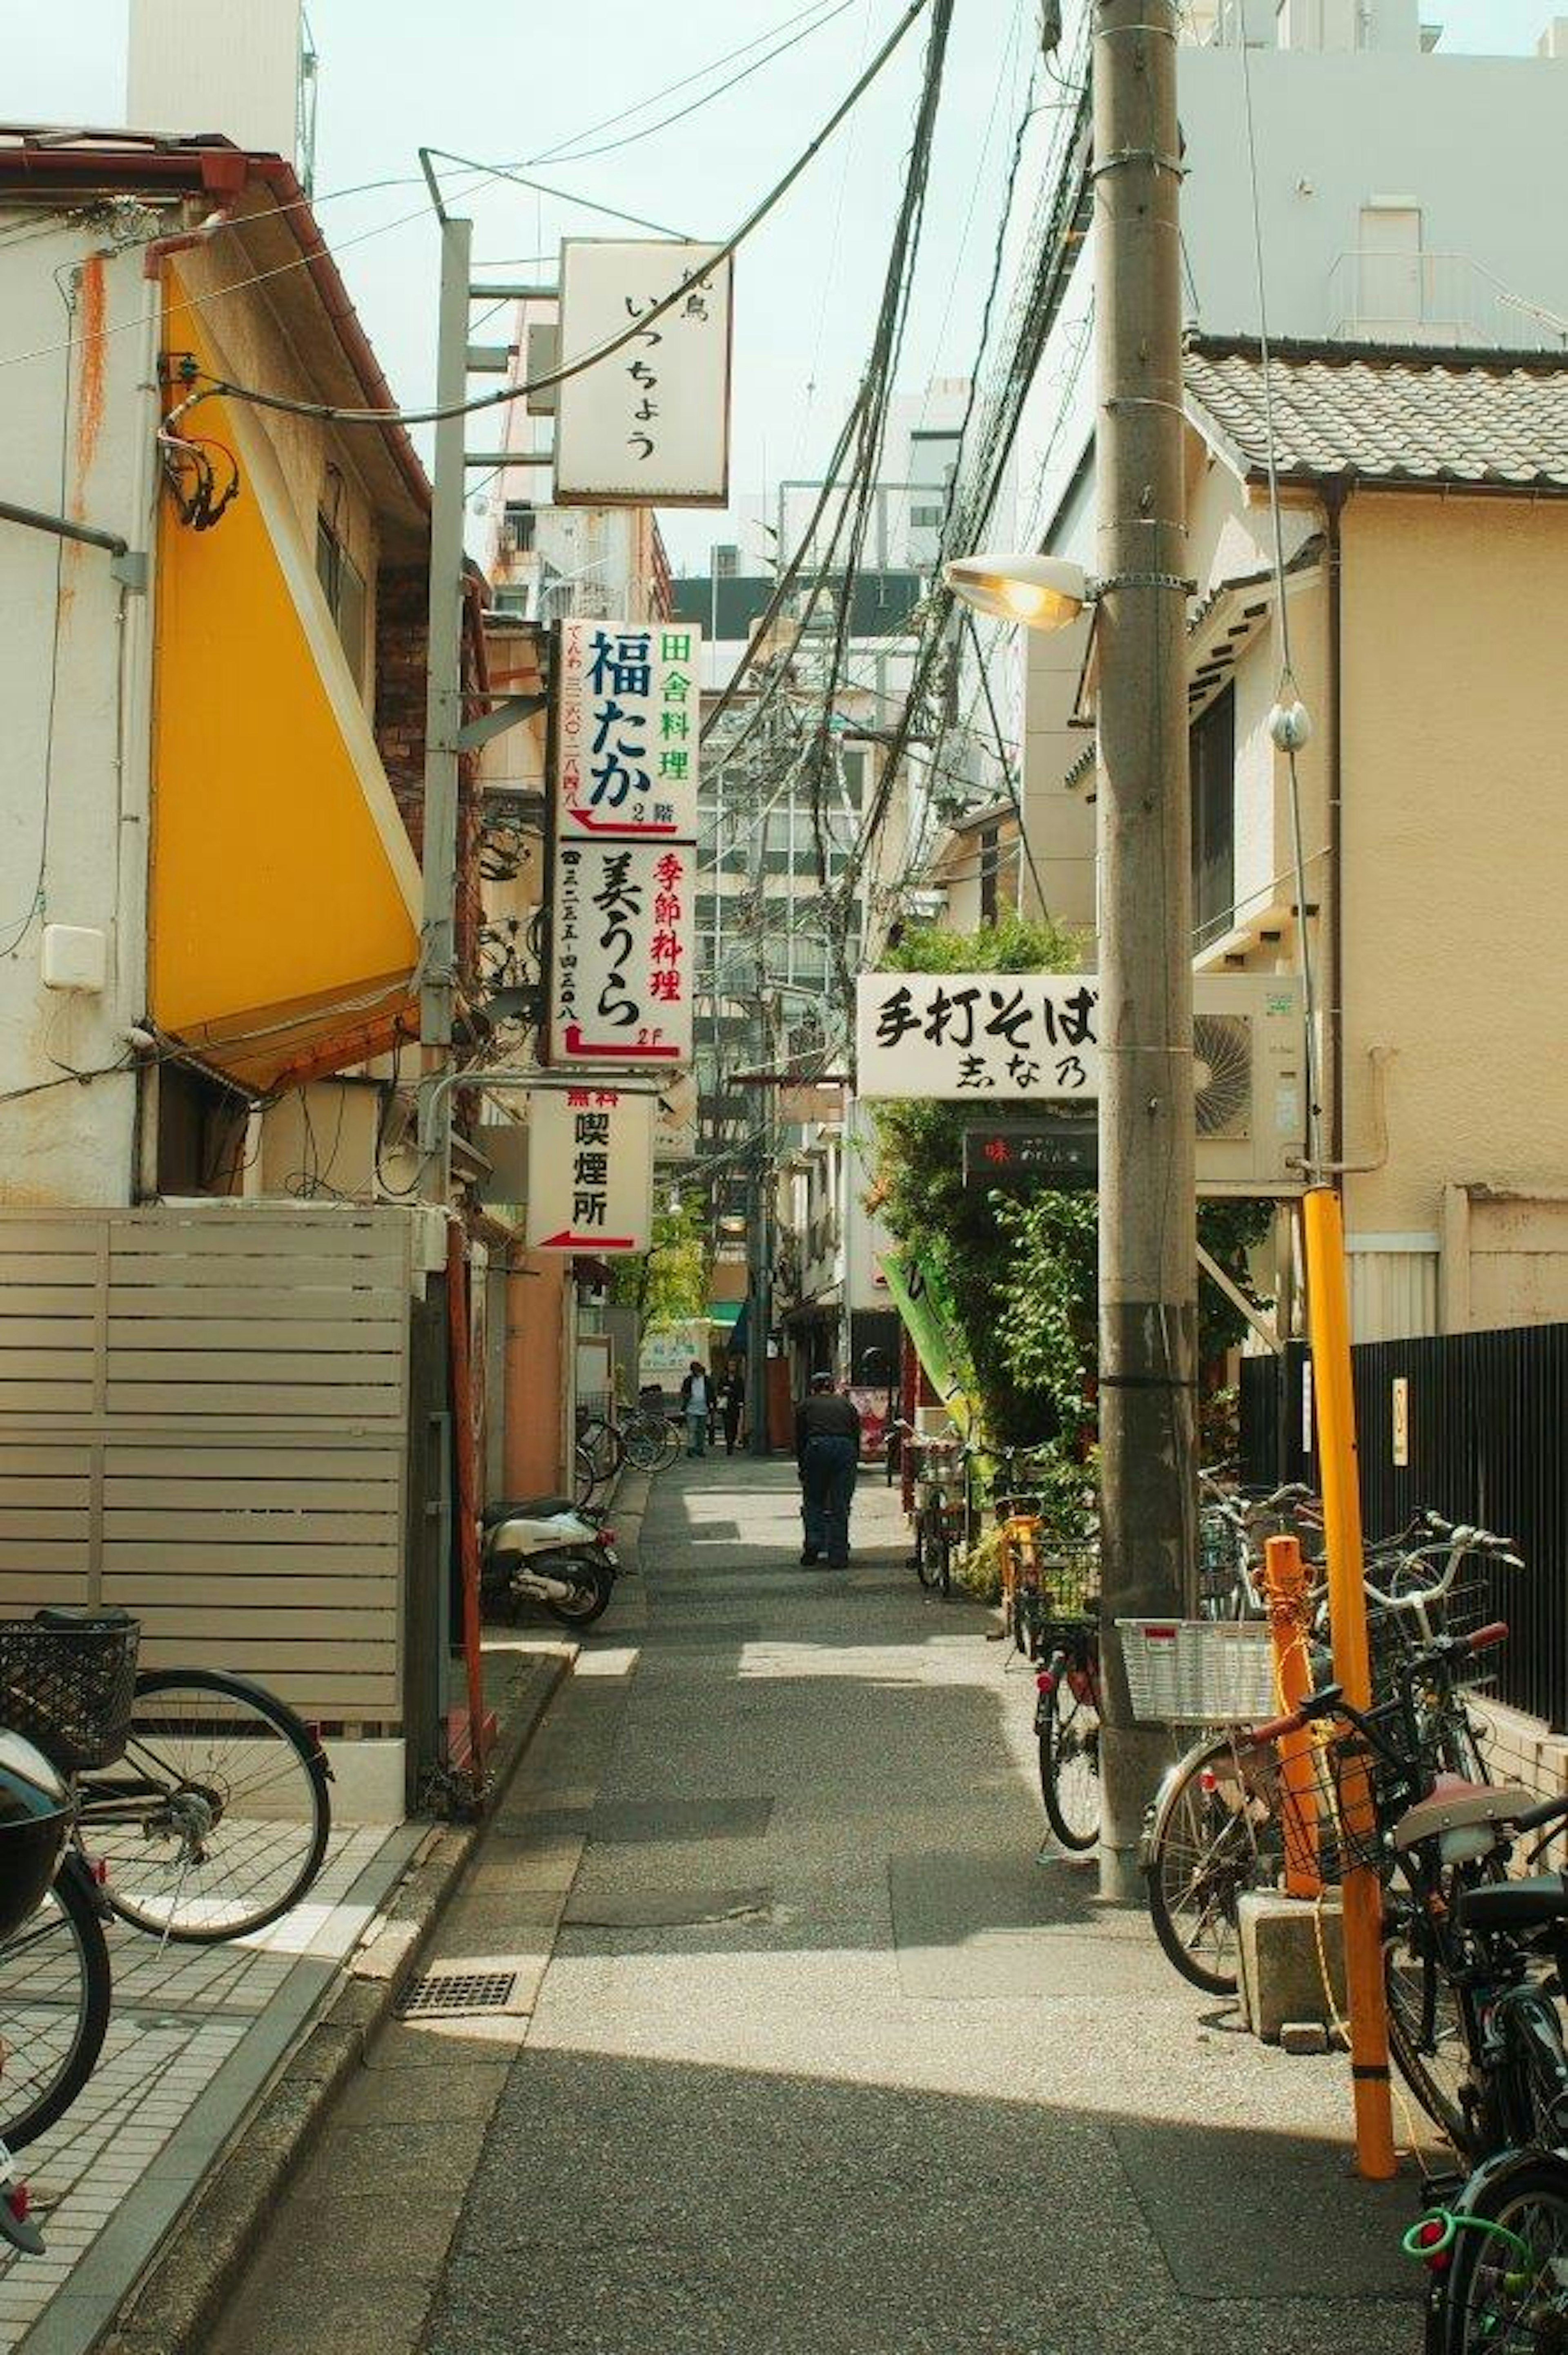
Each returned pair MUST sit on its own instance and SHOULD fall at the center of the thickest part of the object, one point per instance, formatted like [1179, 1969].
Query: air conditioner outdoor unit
[1250, 1068]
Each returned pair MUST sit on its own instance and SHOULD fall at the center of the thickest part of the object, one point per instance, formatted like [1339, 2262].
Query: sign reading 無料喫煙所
[994, 1037]
[650, 422]
[590, 1171]
[623, 817]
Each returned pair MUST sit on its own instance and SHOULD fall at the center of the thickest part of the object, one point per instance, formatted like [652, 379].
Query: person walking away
[695, 1400]
[732, 1398]
[827, 1452]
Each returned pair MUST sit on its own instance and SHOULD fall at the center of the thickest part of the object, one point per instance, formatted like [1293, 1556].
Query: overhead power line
[330, 413]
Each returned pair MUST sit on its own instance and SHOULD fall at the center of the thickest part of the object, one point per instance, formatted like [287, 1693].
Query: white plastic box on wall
[74, 956]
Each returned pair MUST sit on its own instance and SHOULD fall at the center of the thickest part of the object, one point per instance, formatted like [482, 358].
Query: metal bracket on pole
[1263, 1326]
[506, 711]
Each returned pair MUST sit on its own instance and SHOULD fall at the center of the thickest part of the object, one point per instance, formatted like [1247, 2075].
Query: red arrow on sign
[566, 1241]
[613, 825]
[616, 1052]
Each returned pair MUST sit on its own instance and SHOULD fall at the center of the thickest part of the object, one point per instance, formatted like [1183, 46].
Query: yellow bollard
[1284, 1577]
[1329, 1328]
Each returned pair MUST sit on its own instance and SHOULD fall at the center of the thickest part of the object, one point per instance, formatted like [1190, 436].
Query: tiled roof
[1390, 416]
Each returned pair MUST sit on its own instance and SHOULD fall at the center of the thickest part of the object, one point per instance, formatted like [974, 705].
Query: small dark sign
[1064, 1154]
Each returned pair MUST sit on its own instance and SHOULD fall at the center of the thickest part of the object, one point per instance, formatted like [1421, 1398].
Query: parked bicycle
[54, 1962]
[1067, 1692]
[941, 1507]
[1214, 1829]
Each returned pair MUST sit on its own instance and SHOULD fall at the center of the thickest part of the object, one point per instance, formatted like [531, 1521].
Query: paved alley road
[826, 2060]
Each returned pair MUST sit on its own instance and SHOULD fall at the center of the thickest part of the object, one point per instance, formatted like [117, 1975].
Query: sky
[505, 84]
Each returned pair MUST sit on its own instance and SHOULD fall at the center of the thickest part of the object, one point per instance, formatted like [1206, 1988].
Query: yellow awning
[285, 890]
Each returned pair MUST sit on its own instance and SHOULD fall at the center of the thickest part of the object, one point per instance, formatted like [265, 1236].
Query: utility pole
[1148, 1241]
[443, 705]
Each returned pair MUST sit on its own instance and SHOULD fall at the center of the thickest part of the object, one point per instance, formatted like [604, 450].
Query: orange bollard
[1328, 1325]
[1284, 1577]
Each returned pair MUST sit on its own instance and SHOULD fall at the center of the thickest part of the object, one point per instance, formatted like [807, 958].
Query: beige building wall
[1455, 858]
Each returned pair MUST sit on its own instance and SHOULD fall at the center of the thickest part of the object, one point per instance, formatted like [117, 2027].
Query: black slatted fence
[1478, 1433]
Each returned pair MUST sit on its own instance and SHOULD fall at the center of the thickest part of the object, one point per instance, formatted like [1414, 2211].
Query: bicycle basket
[66, 1681]
[1070, 1581]
[1197, 1671]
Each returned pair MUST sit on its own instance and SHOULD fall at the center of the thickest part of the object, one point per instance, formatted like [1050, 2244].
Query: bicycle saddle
[1453, 1805]
[82, 1618]
[1530, 1905]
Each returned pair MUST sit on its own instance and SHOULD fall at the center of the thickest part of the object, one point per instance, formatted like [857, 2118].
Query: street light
[1044, 592]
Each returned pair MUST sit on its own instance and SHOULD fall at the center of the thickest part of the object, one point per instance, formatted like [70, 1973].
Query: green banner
[925, 1303]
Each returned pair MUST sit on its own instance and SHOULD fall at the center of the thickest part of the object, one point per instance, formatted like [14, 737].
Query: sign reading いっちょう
[620, 954]
[590, 1171]
[991, 1037]
[626, 731]
[650, 422]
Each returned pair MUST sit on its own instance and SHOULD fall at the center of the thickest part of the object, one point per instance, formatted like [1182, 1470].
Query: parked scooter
[548, 1551]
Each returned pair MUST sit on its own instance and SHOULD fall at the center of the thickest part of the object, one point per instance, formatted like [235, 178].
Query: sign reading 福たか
[626, 731]
[991, 1036]
[590, 1171]
[624, 796]
[650, 422]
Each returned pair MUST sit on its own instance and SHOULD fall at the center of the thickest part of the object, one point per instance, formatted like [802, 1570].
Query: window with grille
[1212, 763]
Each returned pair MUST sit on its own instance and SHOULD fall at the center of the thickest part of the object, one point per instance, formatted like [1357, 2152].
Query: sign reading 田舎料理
[623, 860]
[990, 1036]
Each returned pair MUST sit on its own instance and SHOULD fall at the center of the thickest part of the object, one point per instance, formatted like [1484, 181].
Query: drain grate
[455, 1994]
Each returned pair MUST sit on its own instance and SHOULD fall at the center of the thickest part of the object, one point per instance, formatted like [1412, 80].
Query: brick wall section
[1519, 1749]
[402, 595]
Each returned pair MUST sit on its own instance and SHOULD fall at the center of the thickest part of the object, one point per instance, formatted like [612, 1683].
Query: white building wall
[74, 663]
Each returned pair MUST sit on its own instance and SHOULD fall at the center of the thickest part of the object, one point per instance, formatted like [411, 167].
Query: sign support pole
[1147, 1209]
[443, 711]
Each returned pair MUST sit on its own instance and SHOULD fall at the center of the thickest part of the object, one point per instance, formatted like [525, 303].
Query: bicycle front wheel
[1214, 1836]
[216, 1820]
[54, 2007]
[1068, 1723]
[930, 1547]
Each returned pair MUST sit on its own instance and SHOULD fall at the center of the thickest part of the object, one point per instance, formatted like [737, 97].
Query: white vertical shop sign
[648, 423]
[620, 955]
[626, 731]
[590, 1171]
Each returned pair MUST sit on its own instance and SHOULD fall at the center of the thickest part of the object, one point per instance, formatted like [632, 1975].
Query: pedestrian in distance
[731, 1400]
[696, 1399]
[827, 1454]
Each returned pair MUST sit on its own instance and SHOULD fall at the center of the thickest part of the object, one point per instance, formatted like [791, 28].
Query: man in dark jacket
[827, 1452]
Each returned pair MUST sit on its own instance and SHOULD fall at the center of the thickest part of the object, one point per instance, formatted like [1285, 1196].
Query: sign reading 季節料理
[991, 1038]
[620, 955]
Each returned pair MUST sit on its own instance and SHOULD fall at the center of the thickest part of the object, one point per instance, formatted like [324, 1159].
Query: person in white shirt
[695, 1399]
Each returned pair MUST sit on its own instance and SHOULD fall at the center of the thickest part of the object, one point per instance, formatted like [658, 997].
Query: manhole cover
[455, 1994]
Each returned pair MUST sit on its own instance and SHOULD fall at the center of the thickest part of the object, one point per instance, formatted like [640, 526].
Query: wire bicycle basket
[68, 1682]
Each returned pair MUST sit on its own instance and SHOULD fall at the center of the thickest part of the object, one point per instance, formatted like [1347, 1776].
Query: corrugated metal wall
[1484, 1424]
[204, 1417]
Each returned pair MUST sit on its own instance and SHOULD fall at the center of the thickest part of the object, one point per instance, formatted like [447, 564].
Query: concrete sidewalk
[828, 2057]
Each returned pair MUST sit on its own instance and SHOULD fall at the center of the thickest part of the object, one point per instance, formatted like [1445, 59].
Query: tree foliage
[668, 1284]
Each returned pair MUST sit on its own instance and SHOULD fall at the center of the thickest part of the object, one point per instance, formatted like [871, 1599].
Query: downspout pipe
[1334, 495]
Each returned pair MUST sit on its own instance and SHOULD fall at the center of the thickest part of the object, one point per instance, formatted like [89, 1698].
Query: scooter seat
[525, 1508]
[1533, 1904]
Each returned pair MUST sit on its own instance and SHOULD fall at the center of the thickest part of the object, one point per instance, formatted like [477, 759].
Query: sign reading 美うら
[590, 1171]
[992, 1037]
[623, 823]
[620, 955]
[650, 422]
[626, 731]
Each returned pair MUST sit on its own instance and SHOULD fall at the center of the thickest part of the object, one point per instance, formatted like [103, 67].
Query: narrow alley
[822, 2052]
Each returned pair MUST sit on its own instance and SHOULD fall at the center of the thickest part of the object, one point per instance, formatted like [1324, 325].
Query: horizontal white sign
[990, 1036]
[627, 729]
[650, 422]
[620, 954]
[590, 1171]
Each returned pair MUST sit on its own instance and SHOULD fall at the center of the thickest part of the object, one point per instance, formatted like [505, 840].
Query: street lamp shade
[1044, 592]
